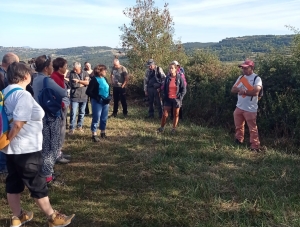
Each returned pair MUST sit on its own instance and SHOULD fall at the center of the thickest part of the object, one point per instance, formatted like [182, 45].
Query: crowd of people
[37, 135]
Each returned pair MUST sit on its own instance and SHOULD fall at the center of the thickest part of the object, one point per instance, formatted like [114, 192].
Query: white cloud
[251, 14]
[69, 9]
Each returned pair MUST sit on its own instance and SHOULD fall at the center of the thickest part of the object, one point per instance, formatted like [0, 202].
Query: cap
[247, 63]
[175, 62]
[150, 62]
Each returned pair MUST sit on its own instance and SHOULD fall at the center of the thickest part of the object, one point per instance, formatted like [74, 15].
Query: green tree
[150, 35]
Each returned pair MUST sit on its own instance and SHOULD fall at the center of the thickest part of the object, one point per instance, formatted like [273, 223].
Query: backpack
[50, 100]
[4, 122]
[261, 92]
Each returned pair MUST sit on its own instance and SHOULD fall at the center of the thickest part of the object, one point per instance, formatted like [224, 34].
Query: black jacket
[181, 88]
[77, 93]
[93, 89]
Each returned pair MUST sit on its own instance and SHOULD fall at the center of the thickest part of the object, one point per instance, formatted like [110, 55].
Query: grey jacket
[159, 76]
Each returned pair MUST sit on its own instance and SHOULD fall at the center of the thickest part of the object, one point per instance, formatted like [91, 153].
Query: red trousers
[242, 116]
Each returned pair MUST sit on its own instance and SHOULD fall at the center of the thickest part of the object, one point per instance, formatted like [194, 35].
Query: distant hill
[240, 48]
[229, 49]
[94, 55]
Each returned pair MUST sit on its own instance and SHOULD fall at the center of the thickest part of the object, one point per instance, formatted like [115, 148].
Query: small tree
[150, 35]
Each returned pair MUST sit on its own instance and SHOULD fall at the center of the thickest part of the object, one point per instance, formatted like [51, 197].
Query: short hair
[16, 72]
[42, 62]
[9, 58]
[98, 69]
[76, 65]
[59, 63]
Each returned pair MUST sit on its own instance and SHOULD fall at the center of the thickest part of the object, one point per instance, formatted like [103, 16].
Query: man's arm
[254, 92]
[84, 82]
[235, 89]
[145, 82]
[126, 77]
[72, 81]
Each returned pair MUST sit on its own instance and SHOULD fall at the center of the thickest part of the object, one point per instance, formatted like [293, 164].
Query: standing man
[88, 69]
[78, 80]
[154, 77]
[6, 61]
[247, 87]
[119, 79]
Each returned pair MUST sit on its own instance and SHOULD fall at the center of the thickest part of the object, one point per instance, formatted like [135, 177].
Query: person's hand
[242, 91]
[76, 80]
[146, 93]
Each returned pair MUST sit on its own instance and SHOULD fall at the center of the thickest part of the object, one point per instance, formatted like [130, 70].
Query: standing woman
[98, 90]
[60, 68]
[24, 159]
[51, 124]
[174, 90]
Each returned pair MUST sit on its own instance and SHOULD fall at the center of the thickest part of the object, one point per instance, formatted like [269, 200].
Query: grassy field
[197, 177]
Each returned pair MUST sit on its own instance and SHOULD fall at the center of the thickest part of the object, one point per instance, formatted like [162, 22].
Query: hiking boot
[62, 160]
[113, 115]
[80, 129]
[238, 142]
[25, 216]
[66, 156]
[71, 131]
[103, 136]
[255, 150]
[125, 115]
[49, 179]
[55, 183]
[160, 130]
[149, 116]
[59, 220]
[56, 174]
[95, 138]
[173, 131]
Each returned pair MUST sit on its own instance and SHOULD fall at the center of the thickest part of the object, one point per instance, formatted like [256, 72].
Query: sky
[71, 23]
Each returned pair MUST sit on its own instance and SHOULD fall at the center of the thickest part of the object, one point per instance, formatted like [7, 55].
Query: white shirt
[21, 106]
[245, 102]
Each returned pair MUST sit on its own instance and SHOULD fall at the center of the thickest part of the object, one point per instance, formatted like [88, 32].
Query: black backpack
[49, 100]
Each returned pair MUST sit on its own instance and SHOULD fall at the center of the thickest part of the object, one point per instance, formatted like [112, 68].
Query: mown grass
[197, 177]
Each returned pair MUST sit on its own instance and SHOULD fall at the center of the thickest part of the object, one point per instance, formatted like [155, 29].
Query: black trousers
[154, 98]
[119, 94]
[87, 110]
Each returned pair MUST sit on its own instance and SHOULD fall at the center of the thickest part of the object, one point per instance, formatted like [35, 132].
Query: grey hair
[77, 65]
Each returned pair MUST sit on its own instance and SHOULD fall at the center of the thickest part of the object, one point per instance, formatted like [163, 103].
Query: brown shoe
[80, 129]
[26, 216]
[59, 220]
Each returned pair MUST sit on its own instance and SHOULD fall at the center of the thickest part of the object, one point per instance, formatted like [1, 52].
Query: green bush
[210, 102]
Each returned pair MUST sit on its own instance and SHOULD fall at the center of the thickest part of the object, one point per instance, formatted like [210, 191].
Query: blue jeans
[74, 107]
[99, 111]
[2, 161]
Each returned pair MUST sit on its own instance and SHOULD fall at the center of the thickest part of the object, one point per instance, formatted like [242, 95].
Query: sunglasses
[47, 58]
